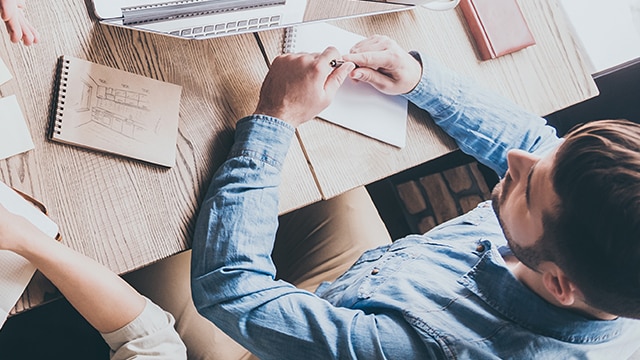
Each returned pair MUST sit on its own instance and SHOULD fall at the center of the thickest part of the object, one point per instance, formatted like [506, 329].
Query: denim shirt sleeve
[233, 277]
[483, 124]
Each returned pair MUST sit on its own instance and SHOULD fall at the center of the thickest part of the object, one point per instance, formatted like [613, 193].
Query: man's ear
[558, 284]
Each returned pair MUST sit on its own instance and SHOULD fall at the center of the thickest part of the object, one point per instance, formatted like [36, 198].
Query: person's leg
[321, 241]
[167, 283]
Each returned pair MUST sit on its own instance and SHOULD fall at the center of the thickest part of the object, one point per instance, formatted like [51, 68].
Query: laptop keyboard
[229, 27]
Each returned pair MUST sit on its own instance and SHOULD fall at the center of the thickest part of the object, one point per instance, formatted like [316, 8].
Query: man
[18, 27]
[549, 269]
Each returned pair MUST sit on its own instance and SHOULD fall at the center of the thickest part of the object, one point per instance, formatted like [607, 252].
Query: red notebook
[498, 26]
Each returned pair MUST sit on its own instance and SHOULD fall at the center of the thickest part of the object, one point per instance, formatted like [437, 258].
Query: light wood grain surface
[335, 9]
[121, 212]
[544, 78]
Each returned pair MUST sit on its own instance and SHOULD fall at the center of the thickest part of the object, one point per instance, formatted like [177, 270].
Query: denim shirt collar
[492, 281]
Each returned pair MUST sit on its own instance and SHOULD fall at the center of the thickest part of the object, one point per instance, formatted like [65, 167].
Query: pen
[336, 63]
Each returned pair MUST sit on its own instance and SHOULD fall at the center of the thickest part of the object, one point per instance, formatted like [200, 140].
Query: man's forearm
[233, 277]
[237, 224]
[484, 124]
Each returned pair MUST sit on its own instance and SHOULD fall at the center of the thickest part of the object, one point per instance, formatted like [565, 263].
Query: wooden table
[544, 78]
[127, 214]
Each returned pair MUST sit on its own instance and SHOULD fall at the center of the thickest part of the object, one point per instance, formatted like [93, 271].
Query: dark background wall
[619, 99]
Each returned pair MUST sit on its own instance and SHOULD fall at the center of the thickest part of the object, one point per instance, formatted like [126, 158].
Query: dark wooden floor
[414, 201]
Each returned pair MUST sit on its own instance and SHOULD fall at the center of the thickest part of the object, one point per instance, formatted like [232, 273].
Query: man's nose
[520, 163]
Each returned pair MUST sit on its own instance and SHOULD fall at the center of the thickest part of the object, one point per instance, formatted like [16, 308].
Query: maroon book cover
[498, 26]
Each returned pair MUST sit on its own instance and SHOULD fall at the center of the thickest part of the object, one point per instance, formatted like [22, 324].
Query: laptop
[203, 19]
[199, 19]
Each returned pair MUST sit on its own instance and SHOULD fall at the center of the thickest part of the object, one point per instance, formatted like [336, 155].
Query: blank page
[357, 106]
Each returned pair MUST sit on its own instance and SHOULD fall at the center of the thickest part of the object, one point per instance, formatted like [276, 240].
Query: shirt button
[480, 248]
[375, 271]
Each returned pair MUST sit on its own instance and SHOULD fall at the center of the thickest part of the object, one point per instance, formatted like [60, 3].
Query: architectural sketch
[110, 110]
[122, 111]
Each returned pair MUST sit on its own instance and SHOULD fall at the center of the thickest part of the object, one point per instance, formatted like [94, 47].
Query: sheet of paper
[5, 75]
[357, 106]
[14, 134]
[16, 271]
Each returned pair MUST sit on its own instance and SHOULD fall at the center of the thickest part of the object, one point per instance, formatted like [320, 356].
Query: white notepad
[357, 106]
[16, 271]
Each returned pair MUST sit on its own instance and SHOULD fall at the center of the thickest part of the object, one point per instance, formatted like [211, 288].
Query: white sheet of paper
[14, 134]
[357, 106]
[5, 75]
[16, 271]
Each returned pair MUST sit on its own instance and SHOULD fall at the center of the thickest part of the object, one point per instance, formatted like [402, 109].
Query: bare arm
[103, 298]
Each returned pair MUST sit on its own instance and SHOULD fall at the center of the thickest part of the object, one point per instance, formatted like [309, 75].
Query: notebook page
[15, 274]
[16, 271]
[357, 106]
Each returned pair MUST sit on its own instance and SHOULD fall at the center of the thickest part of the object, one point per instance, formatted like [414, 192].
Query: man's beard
[530, 256]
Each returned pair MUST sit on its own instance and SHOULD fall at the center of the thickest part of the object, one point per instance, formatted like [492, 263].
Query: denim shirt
[446, 294]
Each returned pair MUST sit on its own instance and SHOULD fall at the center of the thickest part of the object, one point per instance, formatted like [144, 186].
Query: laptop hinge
[180, 9]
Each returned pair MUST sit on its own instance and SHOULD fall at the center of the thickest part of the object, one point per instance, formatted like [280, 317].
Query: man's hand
[299, 86]
[385, 65]
[12, 13]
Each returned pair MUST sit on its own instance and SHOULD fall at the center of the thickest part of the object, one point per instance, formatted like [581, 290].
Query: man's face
[520, 200]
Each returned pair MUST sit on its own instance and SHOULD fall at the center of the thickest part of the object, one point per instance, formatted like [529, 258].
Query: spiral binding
[62, 94]
[290, 35]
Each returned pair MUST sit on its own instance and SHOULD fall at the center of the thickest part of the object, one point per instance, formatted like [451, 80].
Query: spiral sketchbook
[110, 110]
[16, 271]
[356, 106]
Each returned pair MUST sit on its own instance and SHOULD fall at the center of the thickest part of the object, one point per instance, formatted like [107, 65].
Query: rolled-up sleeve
[149, 336]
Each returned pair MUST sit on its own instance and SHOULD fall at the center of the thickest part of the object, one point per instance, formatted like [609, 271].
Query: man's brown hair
[594, 236]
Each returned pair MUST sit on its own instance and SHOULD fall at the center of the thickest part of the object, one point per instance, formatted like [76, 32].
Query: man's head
[579, 208]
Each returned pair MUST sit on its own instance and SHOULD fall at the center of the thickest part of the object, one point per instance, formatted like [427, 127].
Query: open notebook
[16, 271]
[357, 106]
